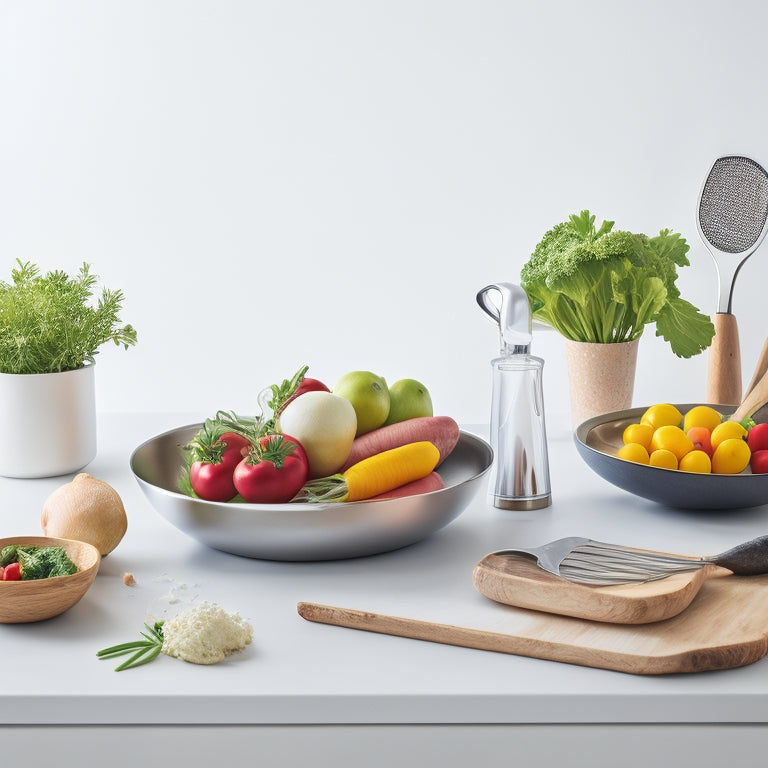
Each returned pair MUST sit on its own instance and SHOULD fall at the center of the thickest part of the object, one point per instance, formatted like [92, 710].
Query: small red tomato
[759, 462]
[307, 385]
[12, 572]
[701, 438]
[213, 482]
[236, 446]
[273, 472]
[2, 572]
[757, 438]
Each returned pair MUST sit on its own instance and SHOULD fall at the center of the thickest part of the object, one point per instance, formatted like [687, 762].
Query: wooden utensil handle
[447, 634]
[753, 401]
[761, 368]
[724, 364]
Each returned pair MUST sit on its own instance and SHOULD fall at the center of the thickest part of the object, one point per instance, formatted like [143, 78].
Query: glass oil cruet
[520, 472]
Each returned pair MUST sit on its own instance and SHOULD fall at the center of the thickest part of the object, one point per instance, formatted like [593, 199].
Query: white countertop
[297, 672]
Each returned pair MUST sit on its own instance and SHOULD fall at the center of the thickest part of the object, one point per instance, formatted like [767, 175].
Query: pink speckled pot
[601, 377]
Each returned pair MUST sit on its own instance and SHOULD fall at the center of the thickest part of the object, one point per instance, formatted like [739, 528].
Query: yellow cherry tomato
[696, 461]
[672, 439]
[633, 452]
[731, 457]
[726, 431]
[702, 416]
[663, 458]
[638, 433]
[662, 415]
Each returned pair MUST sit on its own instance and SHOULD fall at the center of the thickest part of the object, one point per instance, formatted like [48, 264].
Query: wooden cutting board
[725, 626]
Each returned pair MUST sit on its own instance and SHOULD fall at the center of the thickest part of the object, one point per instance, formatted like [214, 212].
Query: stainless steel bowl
[303, 531]
[598, 439]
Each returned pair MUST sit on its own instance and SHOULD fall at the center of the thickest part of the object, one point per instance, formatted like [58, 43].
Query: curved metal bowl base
[303, 531]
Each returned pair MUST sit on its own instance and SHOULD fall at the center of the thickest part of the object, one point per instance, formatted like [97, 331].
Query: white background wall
[273, 183]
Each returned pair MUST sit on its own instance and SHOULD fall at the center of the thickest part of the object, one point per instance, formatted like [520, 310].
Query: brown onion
[86, 509]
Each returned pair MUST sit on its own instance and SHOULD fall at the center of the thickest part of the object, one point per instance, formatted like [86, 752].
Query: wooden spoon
[760, 369]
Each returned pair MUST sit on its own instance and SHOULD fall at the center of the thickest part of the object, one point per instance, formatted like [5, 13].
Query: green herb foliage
[605, 286]
[139, 651]
[44, 562]
[50, 323]
[38, 562]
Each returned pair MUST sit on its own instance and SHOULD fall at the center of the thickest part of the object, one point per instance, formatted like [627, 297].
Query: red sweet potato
[441, 431]
[432, 482]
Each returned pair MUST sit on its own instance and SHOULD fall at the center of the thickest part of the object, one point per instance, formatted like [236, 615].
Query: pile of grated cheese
[206, 634]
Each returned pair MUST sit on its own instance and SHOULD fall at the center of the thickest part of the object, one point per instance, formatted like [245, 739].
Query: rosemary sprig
[142, 651]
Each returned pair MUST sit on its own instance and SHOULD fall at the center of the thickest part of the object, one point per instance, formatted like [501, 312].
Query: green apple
[408, 399]
[369, 396]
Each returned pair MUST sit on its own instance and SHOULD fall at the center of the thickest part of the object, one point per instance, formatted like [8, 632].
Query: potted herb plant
[599, 288]
[51, 328]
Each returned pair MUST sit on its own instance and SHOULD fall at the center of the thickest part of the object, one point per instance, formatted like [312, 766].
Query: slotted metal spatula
[587, 561]
[732, 221]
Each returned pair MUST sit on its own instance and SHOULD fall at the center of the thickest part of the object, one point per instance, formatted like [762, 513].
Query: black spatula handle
[748, 559]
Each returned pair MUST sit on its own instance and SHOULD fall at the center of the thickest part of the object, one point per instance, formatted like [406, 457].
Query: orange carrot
[377, 474]
[442, 431]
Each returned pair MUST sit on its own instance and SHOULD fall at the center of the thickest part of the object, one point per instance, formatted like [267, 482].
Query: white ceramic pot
[47, 422]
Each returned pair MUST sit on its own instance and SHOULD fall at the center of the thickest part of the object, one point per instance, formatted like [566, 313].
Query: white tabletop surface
[300, 672]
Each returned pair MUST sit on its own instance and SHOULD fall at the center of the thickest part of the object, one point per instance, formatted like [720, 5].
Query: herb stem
[142, 651]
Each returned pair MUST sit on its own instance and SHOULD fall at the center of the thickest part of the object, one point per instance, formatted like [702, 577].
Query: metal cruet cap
[512, 313]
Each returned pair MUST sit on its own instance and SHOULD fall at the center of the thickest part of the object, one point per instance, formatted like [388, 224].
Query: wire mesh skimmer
[732, 221]
[587, 561]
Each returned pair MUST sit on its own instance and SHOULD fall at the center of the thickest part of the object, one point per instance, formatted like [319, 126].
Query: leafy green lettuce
[605, 286]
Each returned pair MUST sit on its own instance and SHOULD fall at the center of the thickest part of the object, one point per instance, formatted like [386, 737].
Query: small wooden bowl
[38, 599]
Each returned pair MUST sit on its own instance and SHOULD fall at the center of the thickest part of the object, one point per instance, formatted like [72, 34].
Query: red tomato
[757, 438]
[213, 482]
[215, 460]
[236, 447]
[274, 472]
[759, 462]
[307, 385]
[12, 572]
